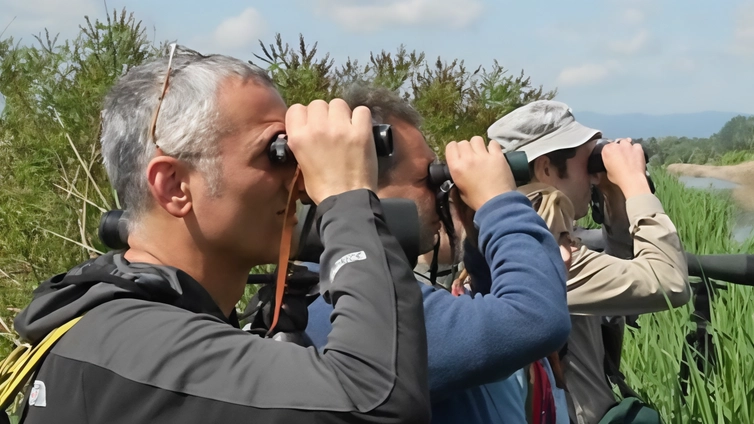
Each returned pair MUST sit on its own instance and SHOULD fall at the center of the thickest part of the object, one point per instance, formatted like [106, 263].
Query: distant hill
[639, 125]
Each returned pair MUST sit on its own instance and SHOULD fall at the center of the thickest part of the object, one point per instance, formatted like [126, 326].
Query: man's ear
[543, 170]
[168, 180]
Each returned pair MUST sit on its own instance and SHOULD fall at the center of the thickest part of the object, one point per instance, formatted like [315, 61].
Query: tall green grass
[735, 157]
[652, 354]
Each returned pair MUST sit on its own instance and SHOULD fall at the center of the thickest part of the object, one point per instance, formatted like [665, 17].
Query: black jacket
[153, 347]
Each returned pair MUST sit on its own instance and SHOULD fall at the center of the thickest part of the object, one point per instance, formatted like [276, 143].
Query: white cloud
[587, 74]
[743, 43]
[633, 45]
[373, 15]
[240, 31]
[632, 16]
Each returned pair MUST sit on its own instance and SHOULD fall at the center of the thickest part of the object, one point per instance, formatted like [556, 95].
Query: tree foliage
[456, 102]
[737, 135]
[49, 152]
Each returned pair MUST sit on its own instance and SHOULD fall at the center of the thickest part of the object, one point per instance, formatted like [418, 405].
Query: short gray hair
[188, 125]
[384, 104]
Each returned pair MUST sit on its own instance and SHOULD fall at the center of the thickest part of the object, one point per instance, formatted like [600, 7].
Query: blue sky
[608, 56]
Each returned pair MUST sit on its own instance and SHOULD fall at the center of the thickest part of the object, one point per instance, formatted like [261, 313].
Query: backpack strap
[18, 367]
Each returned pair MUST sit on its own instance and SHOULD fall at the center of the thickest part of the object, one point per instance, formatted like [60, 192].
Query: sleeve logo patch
[38, 395]
[347, 259]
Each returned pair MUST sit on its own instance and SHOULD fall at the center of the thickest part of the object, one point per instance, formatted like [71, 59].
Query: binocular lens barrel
[383, 143]
[113, 229]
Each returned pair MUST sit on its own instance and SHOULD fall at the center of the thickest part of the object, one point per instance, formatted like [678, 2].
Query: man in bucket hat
[643, 268]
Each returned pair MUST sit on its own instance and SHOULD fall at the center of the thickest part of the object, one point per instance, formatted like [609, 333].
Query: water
[743, 226]
[707, 183]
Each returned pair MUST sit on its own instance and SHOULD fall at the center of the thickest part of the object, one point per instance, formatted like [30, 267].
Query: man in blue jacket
[519, 314]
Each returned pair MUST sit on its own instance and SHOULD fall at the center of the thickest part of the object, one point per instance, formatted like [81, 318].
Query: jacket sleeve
[373, 368]
[519, 316]
[655, 279]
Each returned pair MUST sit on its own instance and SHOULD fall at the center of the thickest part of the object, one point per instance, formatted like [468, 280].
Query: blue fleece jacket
[519, 314]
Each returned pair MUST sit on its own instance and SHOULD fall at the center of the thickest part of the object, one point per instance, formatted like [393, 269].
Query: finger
[296, 115]
[362, 118]
[451, 152]
[295, 118]
[495, 149]
[477, 145]
[317, 113]
[464, 148]
[339, 111]
[464, 152]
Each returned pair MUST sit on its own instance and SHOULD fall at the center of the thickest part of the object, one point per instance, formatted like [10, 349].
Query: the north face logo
[38, 395]
[347, 259]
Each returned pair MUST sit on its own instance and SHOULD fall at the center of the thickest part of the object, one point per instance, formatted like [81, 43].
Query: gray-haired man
[159, 340]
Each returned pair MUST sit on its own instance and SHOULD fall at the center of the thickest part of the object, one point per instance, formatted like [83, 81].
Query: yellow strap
[16, 369]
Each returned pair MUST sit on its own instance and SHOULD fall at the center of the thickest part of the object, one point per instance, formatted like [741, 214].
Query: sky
[606, 56]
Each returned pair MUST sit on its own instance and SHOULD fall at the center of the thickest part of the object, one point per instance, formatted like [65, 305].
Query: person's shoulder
[114, 333]
[128, 320]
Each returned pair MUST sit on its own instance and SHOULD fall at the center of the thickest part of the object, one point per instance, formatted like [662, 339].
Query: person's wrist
[491, 195]
[635, 186]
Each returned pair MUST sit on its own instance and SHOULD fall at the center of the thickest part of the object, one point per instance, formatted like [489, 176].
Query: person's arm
[656, 279]
[372, 370]
[485, 338]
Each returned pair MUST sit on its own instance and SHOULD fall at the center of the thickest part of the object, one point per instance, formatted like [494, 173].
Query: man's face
[577, 184]
[245, 219]
[408, 178]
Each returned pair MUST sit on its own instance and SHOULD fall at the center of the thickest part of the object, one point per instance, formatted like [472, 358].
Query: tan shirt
[603, 284]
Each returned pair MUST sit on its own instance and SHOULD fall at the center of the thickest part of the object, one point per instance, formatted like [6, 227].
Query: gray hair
[188, 125]
[384, 104]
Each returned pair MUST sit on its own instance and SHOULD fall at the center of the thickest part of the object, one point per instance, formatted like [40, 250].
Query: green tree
[737, 134]
[49, 153]
[455, 102]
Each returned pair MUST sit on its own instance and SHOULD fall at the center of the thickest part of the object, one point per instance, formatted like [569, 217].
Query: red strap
[285, 252]
[543, 403]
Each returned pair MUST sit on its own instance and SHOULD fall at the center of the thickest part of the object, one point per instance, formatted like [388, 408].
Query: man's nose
[594, 179]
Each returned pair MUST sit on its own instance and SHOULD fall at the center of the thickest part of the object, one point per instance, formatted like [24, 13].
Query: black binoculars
[518, 162]
[383, 143]
[595, 163]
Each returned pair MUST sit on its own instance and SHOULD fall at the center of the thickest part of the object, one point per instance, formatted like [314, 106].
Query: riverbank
[741, 174]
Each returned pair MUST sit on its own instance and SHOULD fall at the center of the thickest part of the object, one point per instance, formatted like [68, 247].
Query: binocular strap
[285, 253]
[442, 205]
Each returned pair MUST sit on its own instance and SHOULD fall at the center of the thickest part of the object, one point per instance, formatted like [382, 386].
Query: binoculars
[595, 163]
[279, 152]
[517, 161]
[400, 214]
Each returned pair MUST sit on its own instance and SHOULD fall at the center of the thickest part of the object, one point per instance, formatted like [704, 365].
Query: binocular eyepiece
[518, 162]
[383, 142]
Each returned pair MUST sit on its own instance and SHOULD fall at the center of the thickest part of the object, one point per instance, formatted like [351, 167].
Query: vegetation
[737, 135]
[455, 102]
[49, 150]
[54, 188]
[652, 354]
